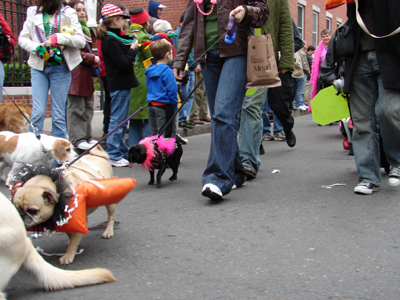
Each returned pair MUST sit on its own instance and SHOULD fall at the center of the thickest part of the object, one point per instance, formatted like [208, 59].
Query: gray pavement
[281, 236]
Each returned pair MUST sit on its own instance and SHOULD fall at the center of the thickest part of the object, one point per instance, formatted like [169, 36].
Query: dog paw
[172, 178]
[66, 259]
[108, 234]
[151, 183]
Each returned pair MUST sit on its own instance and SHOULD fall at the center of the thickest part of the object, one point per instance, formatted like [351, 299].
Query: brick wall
[23, 95]
[309, 8]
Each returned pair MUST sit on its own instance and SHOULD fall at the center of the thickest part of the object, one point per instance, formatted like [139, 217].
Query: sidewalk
[97, 125]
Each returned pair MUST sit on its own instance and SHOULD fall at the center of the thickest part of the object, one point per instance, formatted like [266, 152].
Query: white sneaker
[119, 163]
[366, 188]
[303, 108]
[92, 142]
[212, 191]
[84, 146]
[394, 176]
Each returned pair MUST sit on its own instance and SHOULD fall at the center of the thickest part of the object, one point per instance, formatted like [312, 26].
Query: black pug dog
[157, 153]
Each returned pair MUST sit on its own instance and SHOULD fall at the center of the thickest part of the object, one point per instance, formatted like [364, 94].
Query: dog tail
[52, 278]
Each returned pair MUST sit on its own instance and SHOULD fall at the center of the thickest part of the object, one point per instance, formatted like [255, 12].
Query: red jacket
[6, 31]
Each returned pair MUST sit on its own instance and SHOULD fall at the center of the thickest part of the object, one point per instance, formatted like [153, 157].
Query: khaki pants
[199, 109]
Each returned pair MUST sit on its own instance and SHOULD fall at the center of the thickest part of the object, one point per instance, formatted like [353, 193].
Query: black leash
[105, 137]
[177, 111]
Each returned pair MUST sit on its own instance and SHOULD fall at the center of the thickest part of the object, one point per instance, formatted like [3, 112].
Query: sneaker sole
[210, 194]
[394, 184]
[365, 191]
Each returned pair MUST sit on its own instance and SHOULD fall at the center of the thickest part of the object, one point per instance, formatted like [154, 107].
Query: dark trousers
[279, 99]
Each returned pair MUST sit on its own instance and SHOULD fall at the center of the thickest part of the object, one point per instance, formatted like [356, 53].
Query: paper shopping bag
[262, 71]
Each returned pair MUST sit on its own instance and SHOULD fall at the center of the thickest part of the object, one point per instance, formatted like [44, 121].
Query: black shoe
[250, 173]
[290, 138]
[262, 151]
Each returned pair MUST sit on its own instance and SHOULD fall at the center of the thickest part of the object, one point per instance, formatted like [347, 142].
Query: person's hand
[48, 43]
[178, 73]
[239, 13]
[197, 69]
[135, 45]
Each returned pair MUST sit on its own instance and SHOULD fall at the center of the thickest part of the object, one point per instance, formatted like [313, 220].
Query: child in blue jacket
[162, 89]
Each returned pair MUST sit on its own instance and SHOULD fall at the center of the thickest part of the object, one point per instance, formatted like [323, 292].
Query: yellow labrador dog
[36, 199]
[16, 250]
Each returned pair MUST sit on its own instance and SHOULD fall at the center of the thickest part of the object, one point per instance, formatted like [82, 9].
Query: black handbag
[96, 70]
[345, 41]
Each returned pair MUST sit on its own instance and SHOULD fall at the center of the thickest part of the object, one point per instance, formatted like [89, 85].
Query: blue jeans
[2, 76]
[225, 82]
[301, 84]
[186, 89]
[251, 128]
[138, 130]
[371, 104]
[57, 79]
[116, 146]
[267, 124]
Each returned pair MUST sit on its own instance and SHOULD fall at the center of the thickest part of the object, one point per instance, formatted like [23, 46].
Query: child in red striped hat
[119, 54]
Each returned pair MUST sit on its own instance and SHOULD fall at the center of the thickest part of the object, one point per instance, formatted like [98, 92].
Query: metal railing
[17, 72]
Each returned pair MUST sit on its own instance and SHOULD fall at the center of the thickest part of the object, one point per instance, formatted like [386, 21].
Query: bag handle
[90, 50]
[362, 25]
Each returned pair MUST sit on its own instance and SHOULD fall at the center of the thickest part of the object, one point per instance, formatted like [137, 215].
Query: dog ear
[142, 150]
[59, 150]
[99, 151]
[51, 195]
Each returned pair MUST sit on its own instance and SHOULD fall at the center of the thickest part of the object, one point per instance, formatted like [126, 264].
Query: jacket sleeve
[7, 29]
[298, 41]
[285, 38]
[76, 40]
[88, 59]
[121, 60]
[25, 40]
[185, 40]
[256, 14]
[171, 87]
[306, 67]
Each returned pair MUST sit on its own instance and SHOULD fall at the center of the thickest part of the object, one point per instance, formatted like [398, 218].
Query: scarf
[315, 72]
[86, 30]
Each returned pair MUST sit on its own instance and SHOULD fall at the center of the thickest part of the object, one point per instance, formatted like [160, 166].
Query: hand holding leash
[231, 34]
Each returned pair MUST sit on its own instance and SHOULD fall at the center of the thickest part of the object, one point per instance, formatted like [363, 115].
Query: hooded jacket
[153, 7]
[161, 85]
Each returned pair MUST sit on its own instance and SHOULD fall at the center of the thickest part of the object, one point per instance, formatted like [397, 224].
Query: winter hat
[139, 16]
[111, 10]
[161, 26]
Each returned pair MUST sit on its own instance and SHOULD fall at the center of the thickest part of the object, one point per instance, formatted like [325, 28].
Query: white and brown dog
[39, 197]
[11, 118]
[16, 150]
[16, 250]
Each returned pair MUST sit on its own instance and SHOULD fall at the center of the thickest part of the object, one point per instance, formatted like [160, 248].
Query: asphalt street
[281, 236]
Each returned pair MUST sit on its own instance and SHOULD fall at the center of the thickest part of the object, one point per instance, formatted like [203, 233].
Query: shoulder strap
[362, 25]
